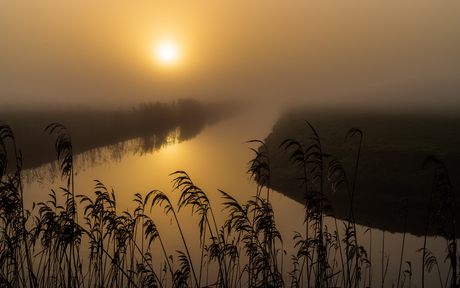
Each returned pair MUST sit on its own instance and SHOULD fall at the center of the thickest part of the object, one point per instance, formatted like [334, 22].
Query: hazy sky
[372, 53]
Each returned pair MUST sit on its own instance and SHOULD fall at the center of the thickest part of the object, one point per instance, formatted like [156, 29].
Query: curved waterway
[218, 159]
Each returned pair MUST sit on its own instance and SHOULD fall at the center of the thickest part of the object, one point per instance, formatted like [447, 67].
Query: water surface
[217, 158]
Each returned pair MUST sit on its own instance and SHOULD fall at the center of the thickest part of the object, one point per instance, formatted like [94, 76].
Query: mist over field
[361, 55]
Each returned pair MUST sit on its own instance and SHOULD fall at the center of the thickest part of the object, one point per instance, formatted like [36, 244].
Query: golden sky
[325, 52]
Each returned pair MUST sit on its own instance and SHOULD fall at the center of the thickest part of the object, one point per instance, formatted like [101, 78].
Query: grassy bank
[95, 128]
[393, 150]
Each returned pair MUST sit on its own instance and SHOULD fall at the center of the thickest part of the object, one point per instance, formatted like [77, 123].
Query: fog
[391, 55]
[85, 64]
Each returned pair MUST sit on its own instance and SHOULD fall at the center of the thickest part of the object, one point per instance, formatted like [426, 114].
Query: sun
[167, 53]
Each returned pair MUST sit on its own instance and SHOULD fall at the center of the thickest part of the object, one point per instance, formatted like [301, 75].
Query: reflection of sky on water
[217, 159]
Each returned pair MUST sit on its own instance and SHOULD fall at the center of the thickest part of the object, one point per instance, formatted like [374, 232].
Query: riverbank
[393, 150]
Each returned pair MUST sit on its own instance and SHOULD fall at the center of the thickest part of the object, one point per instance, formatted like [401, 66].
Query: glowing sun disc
[167, 53]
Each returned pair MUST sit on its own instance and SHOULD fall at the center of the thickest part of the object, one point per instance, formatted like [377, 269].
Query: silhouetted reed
[443, 219]
[100, 246]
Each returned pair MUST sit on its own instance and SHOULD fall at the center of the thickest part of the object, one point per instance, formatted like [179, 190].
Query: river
[218, 159]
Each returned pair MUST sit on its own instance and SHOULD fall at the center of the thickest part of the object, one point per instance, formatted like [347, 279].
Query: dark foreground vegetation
[87, 242]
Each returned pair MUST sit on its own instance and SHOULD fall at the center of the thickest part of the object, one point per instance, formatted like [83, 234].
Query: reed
[90, 243]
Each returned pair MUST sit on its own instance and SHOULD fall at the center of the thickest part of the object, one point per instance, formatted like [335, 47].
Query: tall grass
[55, 246]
